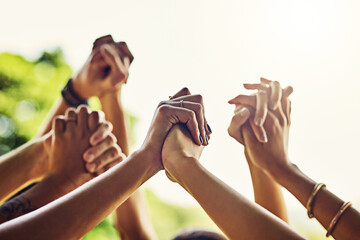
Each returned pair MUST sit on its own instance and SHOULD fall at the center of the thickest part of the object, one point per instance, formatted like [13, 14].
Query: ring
[182, 103]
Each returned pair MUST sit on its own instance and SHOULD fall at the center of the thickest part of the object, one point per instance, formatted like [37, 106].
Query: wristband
[70, 96]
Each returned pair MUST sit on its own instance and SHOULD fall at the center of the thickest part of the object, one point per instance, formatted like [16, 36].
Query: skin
[237, 217]
[273, 158]
[76, 213]
[267, 192]
[30, 163]
[132, 220]
[65, 173]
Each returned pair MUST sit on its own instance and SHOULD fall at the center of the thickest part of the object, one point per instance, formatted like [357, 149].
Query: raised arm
[267, 192]
[236, 216]
[95, 78]
[132, 220]
[73, 215]
[66, 168]
[273, 158]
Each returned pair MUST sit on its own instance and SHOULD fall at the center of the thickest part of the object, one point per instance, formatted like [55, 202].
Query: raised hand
[106, 68]
[273, 153]
[70, 140]
[187, 110]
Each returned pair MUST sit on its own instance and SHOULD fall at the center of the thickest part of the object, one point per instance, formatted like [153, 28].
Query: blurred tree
[28, 89]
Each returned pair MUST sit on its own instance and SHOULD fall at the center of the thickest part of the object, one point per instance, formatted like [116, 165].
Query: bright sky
[213, 47]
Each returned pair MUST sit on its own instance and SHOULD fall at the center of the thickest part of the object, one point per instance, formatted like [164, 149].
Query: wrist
[177, 167]
[78, 86]
[148, 156]
[283, 172]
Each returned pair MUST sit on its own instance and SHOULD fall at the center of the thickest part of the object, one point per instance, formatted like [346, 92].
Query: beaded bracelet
[310, 202]
[335, 220]
[71, 97]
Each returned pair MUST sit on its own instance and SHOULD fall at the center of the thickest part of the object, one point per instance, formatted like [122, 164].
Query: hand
[269, 96]
[186, 109]
[105, 70]
[69, 141]
[177, 150]
[273, 154]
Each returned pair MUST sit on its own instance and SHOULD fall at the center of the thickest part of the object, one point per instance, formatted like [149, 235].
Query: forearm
[326, 204]
[21, 167]
[132, 220]
[73, 215]
[237, 217]
[114, 113]
[267, 192]
[44, 192]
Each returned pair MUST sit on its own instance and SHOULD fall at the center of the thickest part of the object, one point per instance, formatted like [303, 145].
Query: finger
[104, 159]
[265, 81]
[286, 104]
[183, 92]
[256, 86]
[110, 165]
[58, 125]
[113, 59]
[102, 40]
[198, 110]
[287, 91]
[101, 133]
[246, 100]
[70, 114]
[238, 120]
[185, 116]
[83, 116]
[124, 49]
[127, 62]
[259, 132]
[275, 95]
[94, 120]
[196, 98]
[261, 108]
[94, 152]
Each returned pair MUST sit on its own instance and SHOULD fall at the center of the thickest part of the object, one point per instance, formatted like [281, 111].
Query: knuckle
[83, 108]
[108, 126]
[186, 90]
[199, 98]
[163, 109]
[162, 103]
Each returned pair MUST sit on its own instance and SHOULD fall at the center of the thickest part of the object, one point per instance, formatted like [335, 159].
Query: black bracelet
[71, 97]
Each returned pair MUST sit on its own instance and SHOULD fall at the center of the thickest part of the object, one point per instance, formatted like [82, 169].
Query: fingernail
[201, 139]
[91, 167]
[264, 138]
[243, 112]
[208, 127]
[207, 140]
[258, 122]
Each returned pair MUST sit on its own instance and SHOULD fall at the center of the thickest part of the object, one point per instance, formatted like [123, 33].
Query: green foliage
[28, 89]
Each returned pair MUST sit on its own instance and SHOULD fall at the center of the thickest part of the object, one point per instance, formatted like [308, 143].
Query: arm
[132, 220]
[267, 191]
[65, 173]
[22, 166]
[74, 214]
[237, 217]
[97, 76]
[273, 158]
